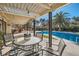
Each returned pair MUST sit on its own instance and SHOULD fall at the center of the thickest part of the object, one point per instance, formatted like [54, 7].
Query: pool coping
[59, 37]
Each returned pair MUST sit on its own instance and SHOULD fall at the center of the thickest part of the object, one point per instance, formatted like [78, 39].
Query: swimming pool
[65, 35]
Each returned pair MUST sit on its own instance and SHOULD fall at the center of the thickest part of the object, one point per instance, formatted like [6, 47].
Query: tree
[60, 19]
[76, 18]
[42, 21]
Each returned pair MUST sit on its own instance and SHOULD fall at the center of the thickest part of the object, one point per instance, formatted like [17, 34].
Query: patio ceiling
[28, 10]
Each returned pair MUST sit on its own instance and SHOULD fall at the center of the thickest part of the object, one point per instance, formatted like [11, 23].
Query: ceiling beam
[38, 9]
[44, 6]
[50, 4]
[13, 5]
[34, 8]
[32, 5]
[20, 15]
[7, 19]
[23, 6]
[53, 8]
[64, 4]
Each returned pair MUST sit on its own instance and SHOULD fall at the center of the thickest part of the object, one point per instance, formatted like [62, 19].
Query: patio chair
[8, 39]
[0, 52]
[23, 49]
[58, 52]
[35, 51]
[8, 43]
[30, 51]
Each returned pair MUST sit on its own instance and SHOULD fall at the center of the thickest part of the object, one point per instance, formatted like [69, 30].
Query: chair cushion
[5, 50]
[10, 42]
[54, 52]
[54, 47]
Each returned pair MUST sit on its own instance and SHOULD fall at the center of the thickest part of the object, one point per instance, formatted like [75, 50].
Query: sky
[72, 9]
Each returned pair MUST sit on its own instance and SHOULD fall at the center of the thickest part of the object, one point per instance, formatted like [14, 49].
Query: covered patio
[25, 41]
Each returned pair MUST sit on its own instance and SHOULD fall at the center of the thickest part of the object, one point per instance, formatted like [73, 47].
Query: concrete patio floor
[70, 50]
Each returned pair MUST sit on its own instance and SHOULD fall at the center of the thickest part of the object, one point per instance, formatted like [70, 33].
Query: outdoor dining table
[33, 42]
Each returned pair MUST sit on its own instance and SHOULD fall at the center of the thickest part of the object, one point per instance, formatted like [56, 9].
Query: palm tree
[76, 18]
[42, 21]
[60, 19]
[37, 21]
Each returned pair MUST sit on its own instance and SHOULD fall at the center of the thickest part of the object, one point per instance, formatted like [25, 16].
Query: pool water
[65, 35]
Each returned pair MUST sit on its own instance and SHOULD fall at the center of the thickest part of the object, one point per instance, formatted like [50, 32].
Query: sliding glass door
[2, 26]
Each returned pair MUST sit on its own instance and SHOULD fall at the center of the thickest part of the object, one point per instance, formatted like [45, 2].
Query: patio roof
[27, 10]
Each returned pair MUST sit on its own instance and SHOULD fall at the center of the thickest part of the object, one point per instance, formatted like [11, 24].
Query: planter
[27, 37]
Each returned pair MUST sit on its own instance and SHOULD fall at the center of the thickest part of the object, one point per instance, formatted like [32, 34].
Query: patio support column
[50, 29]
[33, 27]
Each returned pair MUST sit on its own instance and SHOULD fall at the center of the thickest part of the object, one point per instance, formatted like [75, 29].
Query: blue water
[65, 35]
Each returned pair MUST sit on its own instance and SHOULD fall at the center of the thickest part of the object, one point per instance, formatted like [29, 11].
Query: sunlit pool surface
[65, 35]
